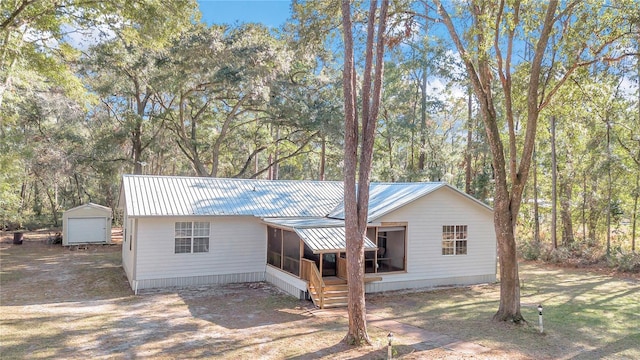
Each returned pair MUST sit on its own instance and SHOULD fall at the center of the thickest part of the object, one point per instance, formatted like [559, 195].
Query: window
[454, 240]
[191, 237]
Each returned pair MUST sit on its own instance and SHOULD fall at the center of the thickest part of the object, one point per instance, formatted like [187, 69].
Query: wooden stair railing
[330, 293]
[315, 284]
[342, 272]
[323, 295]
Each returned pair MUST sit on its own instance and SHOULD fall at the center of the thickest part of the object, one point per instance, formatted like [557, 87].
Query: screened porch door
[329, 264]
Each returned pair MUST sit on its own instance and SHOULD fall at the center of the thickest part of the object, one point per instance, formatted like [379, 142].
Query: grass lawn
[586, 315]
[59, 303]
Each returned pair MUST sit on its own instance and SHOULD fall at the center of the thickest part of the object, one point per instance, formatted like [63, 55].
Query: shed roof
[106, 210]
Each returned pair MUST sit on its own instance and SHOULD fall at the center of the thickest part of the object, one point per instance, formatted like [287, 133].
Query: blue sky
[272, 13]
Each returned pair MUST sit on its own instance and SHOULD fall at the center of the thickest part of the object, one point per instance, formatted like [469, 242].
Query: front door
[329, 266]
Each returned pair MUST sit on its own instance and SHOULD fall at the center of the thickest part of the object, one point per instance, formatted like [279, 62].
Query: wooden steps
[333, 296]
[327, 291]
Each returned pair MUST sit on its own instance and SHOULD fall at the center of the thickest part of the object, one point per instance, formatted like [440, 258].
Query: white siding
[426, 266]
[286, 282]
[89, 223]
[128, 251]
[237, 253]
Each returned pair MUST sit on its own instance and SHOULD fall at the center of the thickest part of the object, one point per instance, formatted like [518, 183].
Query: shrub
[558, 256]
[624, 261]
[530, 250]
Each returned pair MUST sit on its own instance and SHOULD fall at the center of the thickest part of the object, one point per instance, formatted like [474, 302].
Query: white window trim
[455, 239]
[192, 237]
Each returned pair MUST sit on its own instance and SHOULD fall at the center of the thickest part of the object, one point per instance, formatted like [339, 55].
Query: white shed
[85, 224]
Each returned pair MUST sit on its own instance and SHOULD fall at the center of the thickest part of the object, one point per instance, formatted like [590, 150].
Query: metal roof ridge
[231, 179]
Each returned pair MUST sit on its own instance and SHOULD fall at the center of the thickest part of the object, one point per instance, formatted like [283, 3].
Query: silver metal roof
[146, 195]
[328, 239]
[301, 223]
[320, 234]
[91, 205]
[386, 197]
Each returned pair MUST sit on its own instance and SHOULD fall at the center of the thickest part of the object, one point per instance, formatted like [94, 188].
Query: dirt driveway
[70, 303]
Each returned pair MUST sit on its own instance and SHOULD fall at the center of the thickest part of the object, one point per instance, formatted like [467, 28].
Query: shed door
[87, 230]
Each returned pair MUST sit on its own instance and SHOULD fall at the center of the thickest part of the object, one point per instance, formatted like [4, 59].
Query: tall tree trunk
[78, 189]
[565, 210]
[584, 205]
[509, 309]
[141, 101]
[273, 157]
[554, 185]
[357, 333]
[509, 180]
[423, 120]
[276, 154]
[323, 156]
[356, 203]
[193, 143]
[637, 189]
[594, 213]
[609, 187]
[636, 194]
[536, 210]
[467, 155]
[136, 147]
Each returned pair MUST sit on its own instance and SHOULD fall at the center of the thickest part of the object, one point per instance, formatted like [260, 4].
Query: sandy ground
[75, 303]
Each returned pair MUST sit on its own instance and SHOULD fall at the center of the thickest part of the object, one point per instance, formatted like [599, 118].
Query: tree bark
[423, 121]
[323, 156]
[636, 194]
[565, 210]
[609, 187]
[554, 185]
[584, 205]
[357, 333]
[536, 210]
[594, 213]
[356, 199]
[509, 180]
[467, 155]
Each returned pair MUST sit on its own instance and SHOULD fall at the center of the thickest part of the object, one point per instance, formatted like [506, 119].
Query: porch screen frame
[283, 254]
[386, 228]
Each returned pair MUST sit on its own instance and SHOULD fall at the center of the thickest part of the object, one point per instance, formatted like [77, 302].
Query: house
[181, 231]
[86, 224]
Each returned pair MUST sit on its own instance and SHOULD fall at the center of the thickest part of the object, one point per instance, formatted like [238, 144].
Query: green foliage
[625, 261]
[149, 85]
[529, 250]
[10, 177]
[581, 253]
